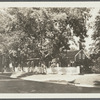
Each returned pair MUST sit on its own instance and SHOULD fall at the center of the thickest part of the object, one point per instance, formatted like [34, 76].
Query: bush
[96, 67]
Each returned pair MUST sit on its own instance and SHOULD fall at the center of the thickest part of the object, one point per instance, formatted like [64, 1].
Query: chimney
[80, 45]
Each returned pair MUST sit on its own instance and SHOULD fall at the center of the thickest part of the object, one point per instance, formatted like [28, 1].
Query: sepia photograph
[50, 48]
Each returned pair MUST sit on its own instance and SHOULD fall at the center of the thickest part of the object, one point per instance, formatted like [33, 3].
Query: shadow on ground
[25, 74]
[10, 85]
[22, 86]
[5, 75]
[97, 83]
[29, 74]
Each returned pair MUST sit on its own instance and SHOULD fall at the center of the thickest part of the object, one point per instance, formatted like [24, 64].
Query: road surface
[9, 85]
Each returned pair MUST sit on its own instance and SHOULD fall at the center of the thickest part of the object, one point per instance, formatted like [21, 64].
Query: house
[76, 58]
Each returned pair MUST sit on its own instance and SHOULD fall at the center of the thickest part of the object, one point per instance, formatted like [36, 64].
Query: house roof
[71, 54]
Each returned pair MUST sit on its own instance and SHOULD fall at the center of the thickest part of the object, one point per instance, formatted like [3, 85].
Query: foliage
[96, 67]
[43, 32]
[96, 35]
[95, 46]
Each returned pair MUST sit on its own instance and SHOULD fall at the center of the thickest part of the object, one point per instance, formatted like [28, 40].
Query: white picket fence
[55, 70]
[64, 70]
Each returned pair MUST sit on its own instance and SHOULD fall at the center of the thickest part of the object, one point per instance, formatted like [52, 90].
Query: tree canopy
[96, 37]
[43, 32]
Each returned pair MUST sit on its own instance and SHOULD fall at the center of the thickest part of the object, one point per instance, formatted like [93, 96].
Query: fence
[64, 70]
[55, 70]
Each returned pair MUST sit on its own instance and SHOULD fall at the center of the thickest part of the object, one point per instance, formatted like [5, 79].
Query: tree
[96, 35]
[95, 46]
[44, 32]
[68, 22]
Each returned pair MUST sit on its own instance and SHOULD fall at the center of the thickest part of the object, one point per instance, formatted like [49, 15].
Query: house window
[83, 56]
[80, 56]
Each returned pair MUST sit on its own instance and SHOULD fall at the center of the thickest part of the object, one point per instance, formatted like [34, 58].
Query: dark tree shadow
[26, 74]
[97, 83]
